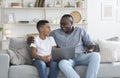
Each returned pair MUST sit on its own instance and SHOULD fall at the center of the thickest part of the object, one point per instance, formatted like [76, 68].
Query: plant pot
[78, 4]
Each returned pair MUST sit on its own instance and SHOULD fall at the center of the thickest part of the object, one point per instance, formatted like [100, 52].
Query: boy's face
[45, 29]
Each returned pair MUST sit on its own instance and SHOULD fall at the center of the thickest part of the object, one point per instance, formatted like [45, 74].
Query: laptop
[63, 53]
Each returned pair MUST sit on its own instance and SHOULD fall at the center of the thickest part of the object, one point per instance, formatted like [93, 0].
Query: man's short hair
[41, 23]
[69, 16]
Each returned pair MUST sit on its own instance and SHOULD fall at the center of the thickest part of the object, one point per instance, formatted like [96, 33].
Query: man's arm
[30, 40]
[88, 42]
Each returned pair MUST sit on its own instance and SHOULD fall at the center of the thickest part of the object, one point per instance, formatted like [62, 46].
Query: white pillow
[109, 50]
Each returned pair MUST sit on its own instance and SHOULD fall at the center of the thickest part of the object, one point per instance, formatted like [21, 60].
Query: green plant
[79, 0]
[1, 28]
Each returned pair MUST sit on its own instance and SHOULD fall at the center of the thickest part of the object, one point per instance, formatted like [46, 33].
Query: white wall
[98, 28]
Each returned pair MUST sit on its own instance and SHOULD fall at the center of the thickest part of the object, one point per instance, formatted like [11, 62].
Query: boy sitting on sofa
[41, 50]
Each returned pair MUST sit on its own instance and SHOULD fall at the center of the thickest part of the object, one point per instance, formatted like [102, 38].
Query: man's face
[66, 24]
[45, 29]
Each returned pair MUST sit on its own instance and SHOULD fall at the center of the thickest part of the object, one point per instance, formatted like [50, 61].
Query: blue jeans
[42, 69]
[92, 60]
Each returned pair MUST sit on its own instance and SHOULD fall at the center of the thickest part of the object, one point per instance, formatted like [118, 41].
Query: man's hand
[88, 51]
[30, 40]
[91, 49]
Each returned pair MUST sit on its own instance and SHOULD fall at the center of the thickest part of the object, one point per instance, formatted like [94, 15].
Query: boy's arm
[36, 56]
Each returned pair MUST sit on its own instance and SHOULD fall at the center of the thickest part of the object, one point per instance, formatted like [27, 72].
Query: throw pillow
[108, 50]
[18, 51]
[117, 39]
[13, 58]
[113, 39]
[16, 43]
[20, 57]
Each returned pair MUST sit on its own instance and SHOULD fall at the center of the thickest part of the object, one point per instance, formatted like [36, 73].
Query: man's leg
[41, 67]
[53, 69]
[93, 66]
[66, 66]
[92, 60]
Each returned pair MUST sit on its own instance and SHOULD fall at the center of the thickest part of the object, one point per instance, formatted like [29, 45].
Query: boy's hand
[49, 57]
[46, 58]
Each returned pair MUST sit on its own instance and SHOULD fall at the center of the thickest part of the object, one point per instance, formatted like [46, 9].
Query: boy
[41, 50]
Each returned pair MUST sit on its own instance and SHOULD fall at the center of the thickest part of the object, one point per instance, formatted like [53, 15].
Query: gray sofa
[107, 70]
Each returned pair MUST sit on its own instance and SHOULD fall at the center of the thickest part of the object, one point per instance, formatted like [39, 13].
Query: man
[69, 36]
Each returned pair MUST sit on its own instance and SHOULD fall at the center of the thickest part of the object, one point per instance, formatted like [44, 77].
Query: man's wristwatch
[89, 51]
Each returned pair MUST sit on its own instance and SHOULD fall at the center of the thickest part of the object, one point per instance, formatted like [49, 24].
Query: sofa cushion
[23, 71]
[112, 68]
[108, 50]
[19, 52]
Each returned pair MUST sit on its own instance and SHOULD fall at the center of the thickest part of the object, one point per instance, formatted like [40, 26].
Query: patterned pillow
[20, 57]
[108, 50]
[18, 51]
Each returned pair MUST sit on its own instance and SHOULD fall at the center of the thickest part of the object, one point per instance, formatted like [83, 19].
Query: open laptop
[63, 53]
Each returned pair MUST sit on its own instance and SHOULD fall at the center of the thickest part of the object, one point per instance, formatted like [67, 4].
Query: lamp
[7, 33]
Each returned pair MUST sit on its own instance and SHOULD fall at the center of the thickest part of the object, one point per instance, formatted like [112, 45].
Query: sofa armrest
[4, 64]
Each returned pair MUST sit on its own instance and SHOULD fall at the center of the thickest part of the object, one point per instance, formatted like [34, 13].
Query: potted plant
[79, 3]
[1, 37]
[1, 29]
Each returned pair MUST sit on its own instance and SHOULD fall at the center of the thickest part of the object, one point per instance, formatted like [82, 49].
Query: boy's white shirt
[43, 47]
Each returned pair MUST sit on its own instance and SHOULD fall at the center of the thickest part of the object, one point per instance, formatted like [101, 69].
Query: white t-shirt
[43, 47]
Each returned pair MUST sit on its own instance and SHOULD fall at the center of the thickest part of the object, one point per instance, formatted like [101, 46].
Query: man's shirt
[78, 39]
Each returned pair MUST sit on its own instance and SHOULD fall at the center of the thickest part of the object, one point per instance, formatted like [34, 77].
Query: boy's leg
[53, 72]
[41, 67]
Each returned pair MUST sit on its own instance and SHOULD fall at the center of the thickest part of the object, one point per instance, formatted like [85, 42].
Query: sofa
[110, 69]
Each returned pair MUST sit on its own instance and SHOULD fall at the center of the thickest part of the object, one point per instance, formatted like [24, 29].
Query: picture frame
[118, 3]
[108, 11]
[58, 3]
[10, 18]
[118, 16]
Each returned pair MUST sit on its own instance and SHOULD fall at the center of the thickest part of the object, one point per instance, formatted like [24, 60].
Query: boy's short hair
[41, 23]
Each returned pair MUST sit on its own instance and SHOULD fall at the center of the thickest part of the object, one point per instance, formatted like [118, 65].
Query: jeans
[92, 60]
[42, 68]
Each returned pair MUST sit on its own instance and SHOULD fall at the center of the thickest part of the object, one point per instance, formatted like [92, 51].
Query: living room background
[97, 28]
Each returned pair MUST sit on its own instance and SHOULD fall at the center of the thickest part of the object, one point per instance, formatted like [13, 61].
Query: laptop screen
[63, 53]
